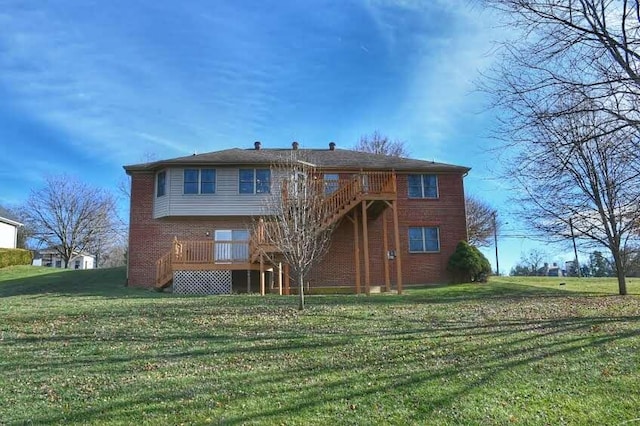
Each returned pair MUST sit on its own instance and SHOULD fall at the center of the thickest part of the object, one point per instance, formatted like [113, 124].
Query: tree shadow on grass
[392, 377]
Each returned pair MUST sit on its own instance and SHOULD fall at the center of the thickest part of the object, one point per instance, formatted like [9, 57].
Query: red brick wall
[150, 238]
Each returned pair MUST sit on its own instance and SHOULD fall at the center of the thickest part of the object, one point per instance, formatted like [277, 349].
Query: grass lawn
[78, 347]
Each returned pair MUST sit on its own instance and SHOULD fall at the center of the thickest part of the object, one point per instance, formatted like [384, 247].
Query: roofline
[73, 254]
[181, 162]
[159, 165]
[10, 222]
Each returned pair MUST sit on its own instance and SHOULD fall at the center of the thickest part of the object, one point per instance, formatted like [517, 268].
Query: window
[199, 181]
[254, 181]
[231, 245]
[77, 264]
[331, 182]
[161, 184]
[191, 177]
[424, 239]
[207, 181]
[423, 186]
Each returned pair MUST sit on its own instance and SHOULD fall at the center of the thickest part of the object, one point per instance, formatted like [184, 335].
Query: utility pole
[575, 249]
[495, 242]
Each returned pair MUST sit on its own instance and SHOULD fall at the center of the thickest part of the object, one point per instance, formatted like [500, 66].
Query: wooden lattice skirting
[202, 282]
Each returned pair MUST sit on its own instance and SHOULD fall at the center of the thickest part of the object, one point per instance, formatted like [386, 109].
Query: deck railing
[210, 251]
[164, 269]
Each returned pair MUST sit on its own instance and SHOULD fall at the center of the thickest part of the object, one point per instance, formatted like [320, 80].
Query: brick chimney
[332, 146]
[257, 145]
[295, 145]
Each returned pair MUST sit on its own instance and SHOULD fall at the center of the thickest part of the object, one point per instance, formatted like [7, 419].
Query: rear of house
[397, 221]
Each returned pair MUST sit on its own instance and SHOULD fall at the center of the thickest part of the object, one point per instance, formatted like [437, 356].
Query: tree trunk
[301, 291]
[622, 282]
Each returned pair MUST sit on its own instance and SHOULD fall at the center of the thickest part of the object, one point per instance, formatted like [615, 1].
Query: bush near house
[468, 264]
[11, 257]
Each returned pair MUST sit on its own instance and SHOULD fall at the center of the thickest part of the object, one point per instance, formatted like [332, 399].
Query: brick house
[397, 222]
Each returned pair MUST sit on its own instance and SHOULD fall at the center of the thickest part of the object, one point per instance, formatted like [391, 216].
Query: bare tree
[114, 256]
[70, 216]
[480, 222]
[577, 182]
[381, 144]
[589, 48]
[297, 218]
[568, 91]
[532, 261]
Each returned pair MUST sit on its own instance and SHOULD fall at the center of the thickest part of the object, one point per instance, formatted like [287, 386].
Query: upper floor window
[331, 182]
[423, 186]
[424, 239]
[161, 184]
[199, 181]
[255, 181]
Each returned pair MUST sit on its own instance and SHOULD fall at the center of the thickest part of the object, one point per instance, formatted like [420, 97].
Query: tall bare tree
[297, 219]
[377, 143]
[582, 179]
[568, 91]
[70, 216]
[481, 222]
[587, 48]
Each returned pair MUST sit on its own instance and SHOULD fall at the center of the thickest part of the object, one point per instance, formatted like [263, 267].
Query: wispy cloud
[447, 43]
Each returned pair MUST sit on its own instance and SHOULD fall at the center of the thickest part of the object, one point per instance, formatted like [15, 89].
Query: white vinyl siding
[8, 235]
[226, 201]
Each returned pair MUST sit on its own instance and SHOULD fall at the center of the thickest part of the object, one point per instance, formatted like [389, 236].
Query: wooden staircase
[164, 271]
[365, 186]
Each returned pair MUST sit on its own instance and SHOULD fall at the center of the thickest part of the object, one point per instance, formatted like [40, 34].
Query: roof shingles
[338, 159]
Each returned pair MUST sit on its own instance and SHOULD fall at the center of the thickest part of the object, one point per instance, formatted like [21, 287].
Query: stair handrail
[164, 270]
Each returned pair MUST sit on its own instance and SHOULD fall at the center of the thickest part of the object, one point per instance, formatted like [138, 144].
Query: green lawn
[78, 347]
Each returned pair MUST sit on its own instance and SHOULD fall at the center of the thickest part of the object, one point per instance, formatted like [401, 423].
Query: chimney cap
[257, 145]
[332, 146]
[295, 145]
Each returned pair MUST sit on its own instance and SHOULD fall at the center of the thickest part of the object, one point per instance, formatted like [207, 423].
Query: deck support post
[396, 231]
[385, 254]
[287, 279]
[280, 278]
[262, 278]
[356, 249]
[365, 243]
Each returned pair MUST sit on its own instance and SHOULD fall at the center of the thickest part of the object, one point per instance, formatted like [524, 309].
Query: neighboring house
[191, 220]
[8, 229]
[51, 258]
[555, 271]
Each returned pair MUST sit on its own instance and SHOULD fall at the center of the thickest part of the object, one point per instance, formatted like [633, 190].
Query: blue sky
[86, 87]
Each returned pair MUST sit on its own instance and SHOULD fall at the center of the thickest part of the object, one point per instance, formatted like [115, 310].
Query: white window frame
[199, 181]
[423, 194]
[255, 181]
[164, 184]
[424, 239]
